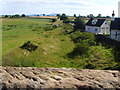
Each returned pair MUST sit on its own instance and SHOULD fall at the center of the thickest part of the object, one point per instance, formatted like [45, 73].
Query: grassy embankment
[55, 47]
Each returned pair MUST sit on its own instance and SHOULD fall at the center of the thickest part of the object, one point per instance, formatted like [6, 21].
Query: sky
[69, 7]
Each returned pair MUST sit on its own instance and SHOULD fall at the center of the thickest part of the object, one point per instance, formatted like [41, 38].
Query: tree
[43, 14]
[107, 16]
[16, 15]
[58, 15]
[91, 15]
[88, 16]
[74, 15]
[79, 23]
[6, 16]
[99, 16]
[63, 17]
[23, 15]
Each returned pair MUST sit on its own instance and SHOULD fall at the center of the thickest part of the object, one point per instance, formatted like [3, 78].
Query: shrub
[54, 20]
[63, 17]
[100, 58]
[81, 49]
[29, 46]
[116, 52]
[79, 24]
[83, 37]
[66, 21]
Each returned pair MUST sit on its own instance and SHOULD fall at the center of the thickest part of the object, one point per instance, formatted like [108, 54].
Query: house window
[88, 28]
[94, 21]
[96, 29]
[116, 34]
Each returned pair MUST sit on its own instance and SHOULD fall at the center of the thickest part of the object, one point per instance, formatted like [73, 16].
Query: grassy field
[55, 47]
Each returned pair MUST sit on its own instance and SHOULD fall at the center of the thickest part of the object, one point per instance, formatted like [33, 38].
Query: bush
[63, 17]
[29, 46]
[79, 24]
[116, 52]
[68, 28]
[100, 58]
[54, 20]
[81, 49]
[66, 21]
[84, 37]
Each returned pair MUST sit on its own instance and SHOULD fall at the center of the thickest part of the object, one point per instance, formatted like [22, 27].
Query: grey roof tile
[99, 22]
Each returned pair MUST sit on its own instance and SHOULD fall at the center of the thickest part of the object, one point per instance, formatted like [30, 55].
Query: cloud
[85, 2]
[85, 7]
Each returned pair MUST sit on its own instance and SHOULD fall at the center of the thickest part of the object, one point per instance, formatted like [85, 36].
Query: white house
[97, 26]
[115, 29]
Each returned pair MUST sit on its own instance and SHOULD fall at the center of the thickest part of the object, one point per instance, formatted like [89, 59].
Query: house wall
[92, 29]
[105, 28]
[115, 34]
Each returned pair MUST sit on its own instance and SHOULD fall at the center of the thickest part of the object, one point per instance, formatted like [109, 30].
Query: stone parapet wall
[36, 78]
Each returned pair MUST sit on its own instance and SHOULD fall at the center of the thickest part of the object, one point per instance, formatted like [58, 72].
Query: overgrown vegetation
[54, 20]
[63, 17]
[79, 24]
[56, 47]
[95, 56]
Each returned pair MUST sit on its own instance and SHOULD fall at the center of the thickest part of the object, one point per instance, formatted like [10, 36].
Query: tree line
[58, 15]
[13, 16]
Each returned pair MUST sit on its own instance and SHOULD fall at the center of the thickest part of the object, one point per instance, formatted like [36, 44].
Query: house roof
[99, 22]
[115, 25]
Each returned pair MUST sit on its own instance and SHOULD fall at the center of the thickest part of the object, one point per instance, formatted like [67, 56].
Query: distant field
[49, 17]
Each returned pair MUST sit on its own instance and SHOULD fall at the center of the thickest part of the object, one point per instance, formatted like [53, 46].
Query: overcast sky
[70, 7]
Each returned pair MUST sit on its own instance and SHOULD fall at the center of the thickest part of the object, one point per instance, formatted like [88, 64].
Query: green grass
[54, 46]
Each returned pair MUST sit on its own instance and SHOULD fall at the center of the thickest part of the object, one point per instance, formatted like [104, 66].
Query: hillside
[52, 44]
[55, 46]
